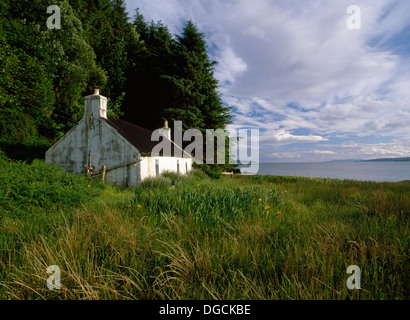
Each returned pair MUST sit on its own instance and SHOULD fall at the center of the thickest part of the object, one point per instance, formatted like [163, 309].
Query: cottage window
[156, 167]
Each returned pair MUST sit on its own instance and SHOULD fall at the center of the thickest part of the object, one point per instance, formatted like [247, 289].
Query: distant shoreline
[386, 160]
[404, 159]
[377, 171]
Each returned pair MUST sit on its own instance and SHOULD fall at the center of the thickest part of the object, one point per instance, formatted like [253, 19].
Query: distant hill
[345, 160]
[387, 159]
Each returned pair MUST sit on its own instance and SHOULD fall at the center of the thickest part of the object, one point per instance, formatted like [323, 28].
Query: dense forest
[147, 73]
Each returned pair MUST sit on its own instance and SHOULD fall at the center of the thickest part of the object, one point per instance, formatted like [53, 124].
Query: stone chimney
[95, 106]
[165, 131]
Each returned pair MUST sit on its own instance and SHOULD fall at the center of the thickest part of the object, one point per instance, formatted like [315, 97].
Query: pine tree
[196, 101]
[148, 93]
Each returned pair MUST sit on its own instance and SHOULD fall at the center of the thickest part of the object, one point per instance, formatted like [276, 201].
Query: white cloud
[230, 66]
[285, 137]
[255, 31]
[323, 152]
[290, 65]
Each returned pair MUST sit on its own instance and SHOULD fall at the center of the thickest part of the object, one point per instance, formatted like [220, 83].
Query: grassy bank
[191, 237]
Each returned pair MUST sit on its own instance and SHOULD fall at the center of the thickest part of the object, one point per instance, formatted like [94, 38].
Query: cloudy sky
[316, 89]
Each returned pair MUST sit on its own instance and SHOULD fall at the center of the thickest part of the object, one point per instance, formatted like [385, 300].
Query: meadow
[193, 237]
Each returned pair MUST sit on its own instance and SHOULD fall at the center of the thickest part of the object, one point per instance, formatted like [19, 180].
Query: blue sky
[315, 89]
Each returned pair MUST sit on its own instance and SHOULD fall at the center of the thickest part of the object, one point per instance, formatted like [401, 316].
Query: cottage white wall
[94, 136]
[70, 152]
[165, 164]
[110, 149]
[106, 147]
[125, 177]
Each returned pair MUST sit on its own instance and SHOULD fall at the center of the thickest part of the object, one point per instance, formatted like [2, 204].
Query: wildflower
[88, 186]
[138, 206]
[229, 190]
[279, 212]
[170, 188]
[260, 199]
[286, 190]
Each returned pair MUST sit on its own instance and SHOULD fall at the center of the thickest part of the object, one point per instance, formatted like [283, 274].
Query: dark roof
[138, 136]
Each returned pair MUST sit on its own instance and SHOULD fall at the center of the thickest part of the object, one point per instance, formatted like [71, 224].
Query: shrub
[174, 179]
[29, 187]
[173, 176]
[213, 171]
[28, 150]
[156, 182]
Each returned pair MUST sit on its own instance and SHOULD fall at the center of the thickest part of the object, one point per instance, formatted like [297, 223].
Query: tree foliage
[147, 73]
[45, 71]
[195, 100]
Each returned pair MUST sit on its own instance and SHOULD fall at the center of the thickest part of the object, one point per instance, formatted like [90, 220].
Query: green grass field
[191, 237]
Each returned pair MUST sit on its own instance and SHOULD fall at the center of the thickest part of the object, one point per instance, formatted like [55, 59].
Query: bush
[173, 176]
[173, 179]
[28, 150]
[198, 174]
[31, 187]
[212, 171]
[156, 182]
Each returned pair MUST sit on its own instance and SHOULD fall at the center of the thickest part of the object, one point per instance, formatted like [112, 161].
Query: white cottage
[116, 149]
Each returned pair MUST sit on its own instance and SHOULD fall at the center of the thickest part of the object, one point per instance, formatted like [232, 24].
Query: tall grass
[190, 237]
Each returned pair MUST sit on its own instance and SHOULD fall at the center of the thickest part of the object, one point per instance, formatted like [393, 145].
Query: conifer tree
[148, 93]
[196, 101]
